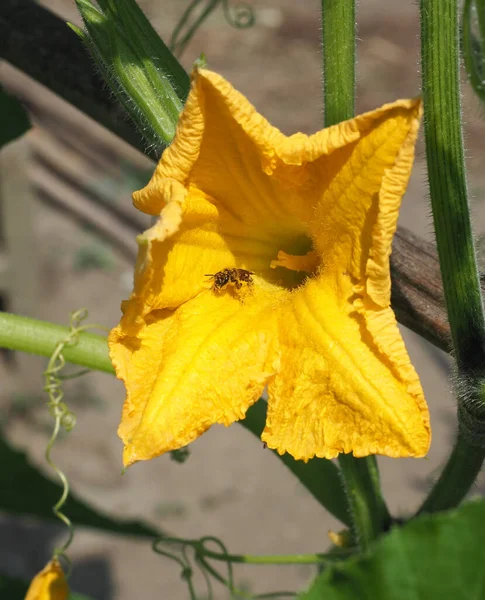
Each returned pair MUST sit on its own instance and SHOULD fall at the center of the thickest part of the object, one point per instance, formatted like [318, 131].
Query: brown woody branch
[417, 292]
[39, 43]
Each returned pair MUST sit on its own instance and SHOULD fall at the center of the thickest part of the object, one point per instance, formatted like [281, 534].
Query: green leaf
[24, 490]
[432, 557]
[15, 589]
[14, 120]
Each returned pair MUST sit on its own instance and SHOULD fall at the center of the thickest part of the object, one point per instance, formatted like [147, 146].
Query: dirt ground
[230, 487]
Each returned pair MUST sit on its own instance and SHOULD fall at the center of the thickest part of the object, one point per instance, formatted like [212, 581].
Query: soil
[230, 486]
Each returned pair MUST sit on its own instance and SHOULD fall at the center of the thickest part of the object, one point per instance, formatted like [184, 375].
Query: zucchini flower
[269, 266]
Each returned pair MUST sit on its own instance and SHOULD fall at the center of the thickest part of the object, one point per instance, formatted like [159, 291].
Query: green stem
[338, 39]
[319, 477]
[201, 550]
[275, 559]
[447, 181]
[368, 511]
[360, 476]
[456, 479]
[454, 239]
[40, 337]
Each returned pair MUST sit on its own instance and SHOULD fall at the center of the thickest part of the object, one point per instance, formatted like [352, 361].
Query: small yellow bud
[341, 539]
[49, 584]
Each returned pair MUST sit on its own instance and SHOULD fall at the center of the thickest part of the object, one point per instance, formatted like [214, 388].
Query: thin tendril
[202, 554]
[230, 572]
[74, 375]
[175, 40]
[63, 418]
[187, 572]
[240, 15]
[179, 45]
[241, 593]
[205, 574]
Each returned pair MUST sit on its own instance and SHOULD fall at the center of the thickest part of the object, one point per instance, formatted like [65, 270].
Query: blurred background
[73, 240]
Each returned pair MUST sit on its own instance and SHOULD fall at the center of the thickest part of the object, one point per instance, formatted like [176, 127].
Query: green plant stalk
[139, 68]
[360, 476]
[136, 117]
[33, 336]
[447, 182]
[98, 45]
[366, 506]
[40, 337]
[451, 215]
[338, 41]
[273, 559]
[456, 479]
[135, 82]
[201, 551]
[133, 17]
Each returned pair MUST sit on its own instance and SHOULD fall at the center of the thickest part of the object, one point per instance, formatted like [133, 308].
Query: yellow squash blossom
[49, 584]
[269, 266]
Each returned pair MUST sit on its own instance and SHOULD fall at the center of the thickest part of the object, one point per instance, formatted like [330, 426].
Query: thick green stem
[451, 214]
[447, 181]
[456, 479]
[41, 337]
[338, 39]
[368, 511]
[360, 476]
[319, 476]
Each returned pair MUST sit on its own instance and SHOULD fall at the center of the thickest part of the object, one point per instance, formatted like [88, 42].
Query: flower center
[307, 263]
[296, 265]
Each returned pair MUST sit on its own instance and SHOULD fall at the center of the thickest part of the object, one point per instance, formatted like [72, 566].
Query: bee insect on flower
[234, 277]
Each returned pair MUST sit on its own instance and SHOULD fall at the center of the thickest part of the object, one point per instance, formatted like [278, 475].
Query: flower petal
[336, 390]
[49, 584]
[221, 147]
[174, 257]
[357, 391]
[224, 148]
[204, 363]
[356, 214]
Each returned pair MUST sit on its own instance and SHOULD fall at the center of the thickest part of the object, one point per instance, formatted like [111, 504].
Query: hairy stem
[360, 477]
[454, 238]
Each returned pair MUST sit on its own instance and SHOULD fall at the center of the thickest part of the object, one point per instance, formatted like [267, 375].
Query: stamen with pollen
[307, 263]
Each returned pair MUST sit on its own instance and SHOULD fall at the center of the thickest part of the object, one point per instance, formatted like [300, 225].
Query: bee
[235, 277]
